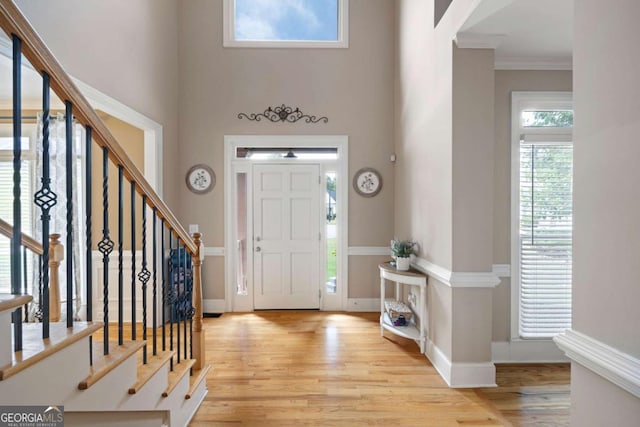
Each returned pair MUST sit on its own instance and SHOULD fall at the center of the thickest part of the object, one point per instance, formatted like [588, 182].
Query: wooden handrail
[29, 242]
[34, 49]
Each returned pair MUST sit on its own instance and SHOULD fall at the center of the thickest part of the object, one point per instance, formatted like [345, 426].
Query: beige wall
[364, 276]
[473, 146]
[132, 140]
[606, 203]
[352, 87]
[505, 83]
[423, 131]
[438, 99]
[126, 49]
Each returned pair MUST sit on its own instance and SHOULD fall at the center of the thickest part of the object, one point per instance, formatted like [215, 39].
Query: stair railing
[28, 243]
[181, 288]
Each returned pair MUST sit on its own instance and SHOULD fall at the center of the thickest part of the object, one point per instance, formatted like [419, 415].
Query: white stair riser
[52, 381]
[55, 379]
[116, 419]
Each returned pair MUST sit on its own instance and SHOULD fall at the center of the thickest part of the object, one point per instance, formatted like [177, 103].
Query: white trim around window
[229, 40]
[529, 101]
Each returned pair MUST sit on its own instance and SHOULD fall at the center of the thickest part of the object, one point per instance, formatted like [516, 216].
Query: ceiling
[526, 34]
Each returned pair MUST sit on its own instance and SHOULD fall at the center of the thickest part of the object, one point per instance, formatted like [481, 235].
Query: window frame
[229, 40]
[521, 101]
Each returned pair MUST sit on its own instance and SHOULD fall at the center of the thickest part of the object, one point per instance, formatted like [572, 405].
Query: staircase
[117, 367]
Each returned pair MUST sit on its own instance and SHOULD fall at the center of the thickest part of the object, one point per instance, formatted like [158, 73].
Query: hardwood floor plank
[306, 368]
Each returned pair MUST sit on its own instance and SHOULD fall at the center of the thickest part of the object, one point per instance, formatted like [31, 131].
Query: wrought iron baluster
[88, 221]
[185, 302]
[170, 298]
[38, 309]
[105, 246]
[45, 199]
[88, 224]
[164, 287]
[144, 277]
[133, 260]
[178, 295]
[120, 255]
[16, 240]
[155, 282]
[25, 282]
[69, 187]
[191, 308]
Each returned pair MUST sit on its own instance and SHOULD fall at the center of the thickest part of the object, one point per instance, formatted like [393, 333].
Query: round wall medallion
[367, 182]
[200, 179]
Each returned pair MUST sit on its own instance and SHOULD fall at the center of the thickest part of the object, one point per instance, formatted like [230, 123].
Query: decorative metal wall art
[367, 182]
[283, 114]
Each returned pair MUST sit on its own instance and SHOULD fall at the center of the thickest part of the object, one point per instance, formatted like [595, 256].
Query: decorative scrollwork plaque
[282, 113]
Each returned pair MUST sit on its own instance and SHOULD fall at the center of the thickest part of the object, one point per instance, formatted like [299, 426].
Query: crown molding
[533, 63]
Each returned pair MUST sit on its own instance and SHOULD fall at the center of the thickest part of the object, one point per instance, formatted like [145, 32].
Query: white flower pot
[403, 264]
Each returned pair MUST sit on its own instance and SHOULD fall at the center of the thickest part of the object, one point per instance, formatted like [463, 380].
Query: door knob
[258, 249]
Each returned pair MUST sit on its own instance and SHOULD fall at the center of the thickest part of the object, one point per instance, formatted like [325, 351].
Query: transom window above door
[286, 23]
[298, 153]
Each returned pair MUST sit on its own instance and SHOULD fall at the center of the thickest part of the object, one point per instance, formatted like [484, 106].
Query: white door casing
[236, 166]
[286, 221]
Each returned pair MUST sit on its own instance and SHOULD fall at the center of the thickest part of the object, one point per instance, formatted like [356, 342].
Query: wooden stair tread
[179, 370]
[103, 364]
[146, 372]
[197, 376]
[34, 348]
[9, 301]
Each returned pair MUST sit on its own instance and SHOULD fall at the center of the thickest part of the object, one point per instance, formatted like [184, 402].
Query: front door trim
[233, 166]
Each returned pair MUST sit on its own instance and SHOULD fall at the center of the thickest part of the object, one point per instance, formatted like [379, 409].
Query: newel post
[198, 333]
[56, 254]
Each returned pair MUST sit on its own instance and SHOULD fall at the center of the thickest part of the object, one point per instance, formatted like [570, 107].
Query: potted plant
[402, 251]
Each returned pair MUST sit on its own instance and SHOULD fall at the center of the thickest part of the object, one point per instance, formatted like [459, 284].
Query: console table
[416, 329]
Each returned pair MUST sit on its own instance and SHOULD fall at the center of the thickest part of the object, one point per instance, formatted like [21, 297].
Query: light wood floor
[292, 368]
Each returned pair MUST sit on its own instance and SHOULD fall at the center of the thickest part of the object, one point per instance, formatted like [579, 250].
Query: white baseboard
[620, 368]
[531, 351]
[213, 306]
[461, 374]
[363, 304]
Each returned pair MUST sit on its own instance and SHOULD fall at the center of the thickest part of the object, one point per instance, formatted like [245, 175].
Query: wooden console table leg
[423, 320]
[382, 296]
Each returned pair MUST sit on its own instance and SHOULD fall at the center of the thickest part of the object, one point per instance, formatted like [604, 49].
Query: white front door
[286, 236]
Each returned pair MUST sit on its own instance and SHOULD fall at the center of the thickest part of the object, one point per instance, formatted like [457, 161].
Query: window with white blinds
[6, 196]
[545, 233]
[542, 214]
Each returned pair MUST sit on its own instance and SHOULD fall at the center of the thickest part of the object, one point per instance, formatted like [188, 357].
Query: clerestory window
[286, 23]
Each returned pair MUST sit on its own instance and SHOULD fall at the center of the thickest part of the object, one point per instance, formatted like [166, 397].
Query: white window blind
[545, 233]
[6, 206]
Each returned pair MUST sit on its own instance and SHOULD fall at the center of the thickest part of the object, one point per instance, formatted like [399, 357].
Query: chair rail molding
[214, 251]
[620, 368]
[369, 251]
[456, 279]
